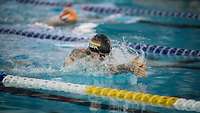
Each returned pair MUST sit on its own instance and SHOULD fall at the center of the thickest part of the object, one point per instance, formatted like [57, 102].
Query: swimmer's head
[100, 44]
[68, 15]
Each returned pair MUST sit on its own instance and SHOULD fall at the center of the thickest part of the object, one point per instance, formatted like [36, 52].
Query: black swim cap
[100, 43]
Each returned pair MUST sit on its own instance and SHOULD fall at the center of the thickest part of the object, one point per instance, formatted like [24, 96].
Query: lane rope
[76, 101]
[46, 3]
[131, 96]
[152, 49]
[139, 11]
[164, 50]
[30, 34]
[126, 11]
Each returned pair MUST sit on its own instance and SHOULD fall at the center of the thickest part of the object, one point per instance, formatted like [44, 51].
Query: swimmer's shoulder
[78, 50]
[79, 53]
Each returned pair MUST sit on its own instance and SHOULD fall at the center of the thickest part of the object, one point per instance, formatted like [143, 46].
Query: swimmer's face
[96, 55]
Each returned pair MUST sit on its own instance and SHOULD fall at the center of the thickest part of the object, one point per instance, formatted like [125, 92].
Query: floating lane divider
[140, 11]
[30, 34]
[153, 49]
[39, 2]
[80, 102]
[163, 50]
[126, 11]
[131, 96]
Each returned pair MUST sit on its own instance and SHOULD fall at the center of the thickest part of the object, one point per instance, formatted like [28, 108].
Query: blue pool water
[44, 59]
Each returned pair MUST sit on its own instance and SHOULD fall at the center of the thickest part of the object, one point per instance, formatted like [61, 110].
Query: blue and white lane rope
[39, 2]
[29, 34]
[153, 49]
[163, 50]
[126, 11]
[139, 11]
[131, 96]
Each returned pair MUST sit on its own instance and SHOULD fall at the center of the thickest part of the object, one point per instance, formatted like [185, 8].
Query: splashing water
[121, 54]
[38, 24]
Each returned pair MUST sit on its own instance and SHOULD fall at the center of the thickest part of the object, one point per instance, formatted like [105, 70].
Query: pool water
[44, 59]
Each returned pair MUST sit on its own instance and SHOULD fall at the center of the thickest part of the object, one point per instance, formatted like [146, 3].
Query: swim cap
[68, 15]
[100, 43]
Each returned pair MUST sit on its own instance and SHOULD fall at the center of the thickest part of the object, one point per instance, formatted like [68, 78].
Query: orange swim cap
[68, 15]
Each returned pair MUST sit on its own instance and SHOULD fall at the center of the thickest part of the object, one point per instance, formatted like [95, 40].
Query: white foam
[134, 20]
[112, 17]
[43, 25]
[85, 28]
[120, 55]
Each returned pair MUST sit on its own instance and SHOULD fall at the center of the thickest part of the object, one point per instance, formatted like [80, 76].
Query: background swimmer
[99, 53]
[68, 15]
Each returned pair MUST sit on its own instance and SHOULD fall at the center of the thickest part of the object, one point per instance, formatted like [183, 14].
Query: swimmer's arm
[138, 67]
[70, 59]
[54, 21]
[74, 55]
[119, 68]
[139, 71]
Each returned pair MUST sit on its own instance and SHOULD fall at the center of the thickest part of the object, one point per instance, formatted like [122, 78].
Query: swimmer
[100, 49]
[68, 15]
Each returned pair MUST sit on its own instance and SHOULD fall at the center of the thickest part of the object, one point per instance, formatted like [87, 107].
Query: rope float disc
[131, 96]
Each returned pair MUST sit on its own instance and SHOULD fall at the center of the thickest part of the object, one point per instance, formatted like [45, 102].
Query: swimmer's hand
[138, 67]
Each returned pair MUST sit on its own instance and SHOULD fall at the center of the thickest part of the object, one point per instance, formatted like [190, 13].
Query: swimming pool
[43, 59]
